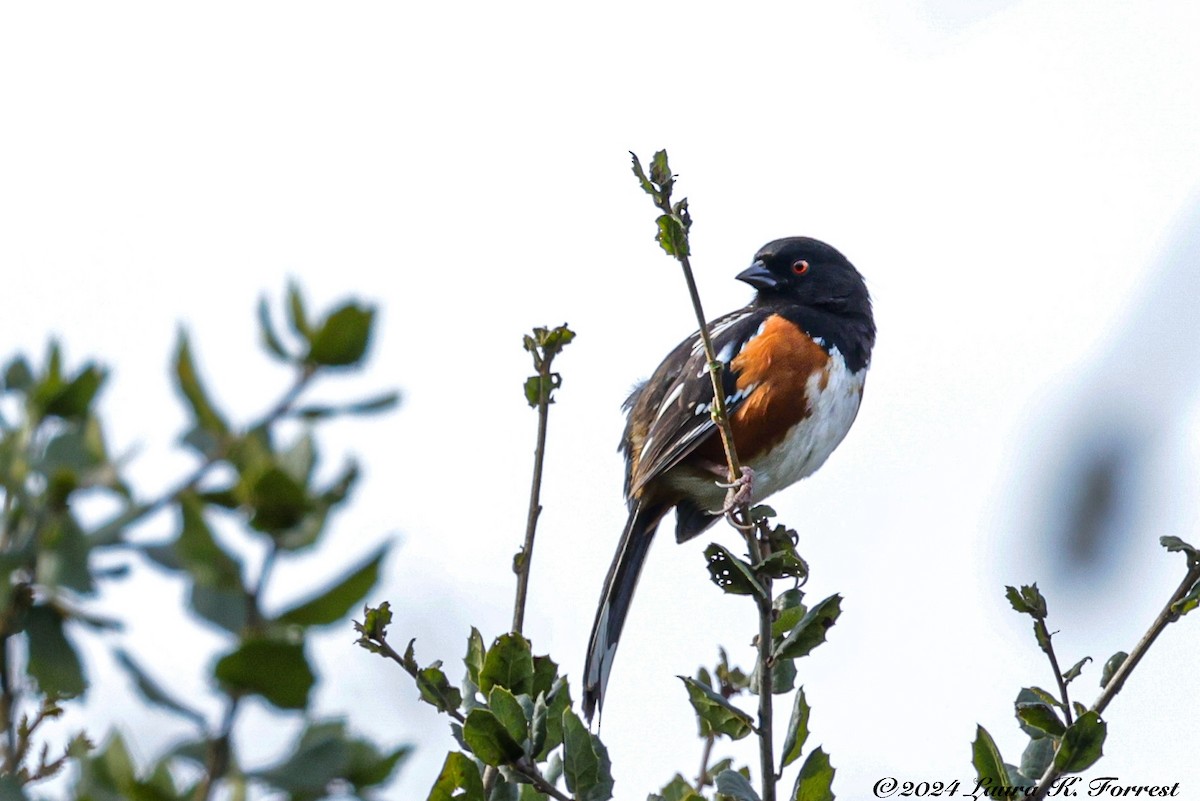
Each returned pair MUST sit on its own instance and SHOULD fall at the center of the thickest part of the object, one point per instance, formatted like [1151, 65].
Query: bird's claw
[740, 492]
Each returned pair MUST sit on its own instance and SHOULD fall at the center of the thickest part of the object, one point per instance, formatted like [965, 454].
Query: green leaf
[188, 380]
[489, 739]
[1112, 666]
[1037, 757]
[1028, 601]
[810, 631]
[198, 551]
[266, 332]
[154, 692]
[11, 790]
[815, 782]
[641, 175]
[508, 711]
[73, 400]
[334, 603]
[783, 563]
[660, 173]
[343, 338]
[789, 610]
[731, 574]
[297, 315]
[985, 757]
[279, 501]
[678, 789]
[475, 654]
[18, 377]
[458, 781]
[321, 756]
[368, 767]
[736, 786]
[559, 701]
[540, 389]
[373, 405]
[672, 236]
[1176, 544]
[1042, 719]
[715, 714]
[545, 675]
[1188, 602]
[224, 607]
[278, 671]
[1075, 670]
[586, 766]
[797, 731]
[508, 664]
[1082, 744]
[435, 688]
[53, 662]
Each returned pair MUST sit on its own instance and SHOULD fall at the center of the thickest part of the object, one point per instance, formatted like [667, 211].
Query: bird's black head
[807, 271]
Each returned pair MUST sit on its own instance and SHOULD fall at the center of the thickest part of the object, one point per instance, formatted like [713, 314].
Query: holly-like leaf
[586, 766]
[508, 664]
[474, 658]
[459, 780]
[508, 711]
[815, 782]
[1082, 744]
[1043, 720]
[797, 731]
[1176, 544]
[1037, 757]
[731, 574]
[989, 765]
[1075, 670]
[734, 785]
[715, 714]
[1027, 601]
[489, 739]
[789, 610]
[810, 631]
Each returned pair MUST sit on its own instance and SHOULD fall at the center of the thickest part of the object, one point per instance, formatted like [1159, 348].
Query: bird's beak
[758, 276]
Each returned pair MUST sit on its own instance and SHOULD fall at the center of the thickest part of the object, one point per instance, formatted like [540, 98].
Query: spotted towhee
[794, 362]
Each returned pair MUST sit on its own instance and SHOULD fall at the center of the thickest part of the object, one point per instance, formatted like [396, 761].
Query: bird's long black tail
[614, 602]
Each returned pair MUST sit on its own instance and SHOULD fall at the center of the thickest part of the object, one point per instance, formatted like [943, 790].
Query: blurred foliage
[54, 453]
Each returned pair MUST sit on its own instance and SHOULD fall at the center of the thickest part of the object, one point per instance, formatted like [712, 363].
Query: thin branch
[1165, 618]
[705, 756]
[1058, 676]
[720, 418]
[535, 507]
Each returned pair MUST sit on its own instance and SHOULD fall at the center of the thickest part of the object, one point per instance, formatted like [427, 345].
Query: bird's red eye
[800, 267]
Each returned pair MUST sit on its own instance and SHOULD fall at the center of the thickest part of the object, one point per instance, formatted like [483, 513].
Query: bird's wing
[670, 415]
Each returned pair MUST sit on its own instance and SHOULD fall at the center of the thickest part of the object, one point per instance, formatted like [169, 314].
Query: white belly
[832, 410]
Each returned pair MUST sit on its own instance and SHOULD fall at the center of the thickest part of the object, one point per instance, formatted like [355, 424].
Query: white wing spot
[670, 399]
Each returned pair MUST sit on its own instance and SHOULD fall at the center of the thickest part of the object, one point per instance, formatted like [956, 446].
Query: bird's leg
[740, 492]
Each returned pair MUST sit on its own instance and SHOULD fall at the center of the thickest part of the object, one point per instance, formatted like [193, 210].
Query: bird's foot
[740, 492]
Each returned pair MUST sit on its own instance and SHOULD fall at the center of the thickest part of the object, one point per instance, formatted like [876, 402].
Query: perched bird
[794, 362]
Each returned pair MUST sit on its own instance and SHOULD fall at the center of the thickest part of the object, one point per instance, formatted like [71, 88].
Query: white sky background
[1014, 180]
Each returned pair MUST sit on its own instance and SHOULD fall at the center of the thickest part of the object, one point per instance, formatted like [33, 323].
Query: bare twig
[535, 507]
[1117, 681]
[705, 756]
[742, 519]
